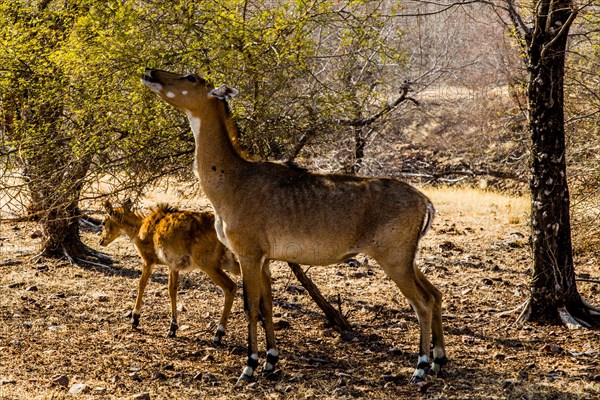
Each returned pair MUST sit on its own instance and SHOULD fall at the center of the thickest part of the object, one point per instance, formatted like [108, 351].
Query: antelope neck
[132, 229]
[216, 161]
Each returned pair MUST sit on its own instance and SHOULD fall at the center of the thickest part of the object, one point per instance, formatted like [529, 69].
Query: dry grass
[75, 323]
[512, 210]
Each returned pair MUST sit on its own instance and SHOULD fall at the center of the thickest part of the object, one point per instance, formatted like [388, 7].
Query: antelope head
[188, 93]
[114, 223]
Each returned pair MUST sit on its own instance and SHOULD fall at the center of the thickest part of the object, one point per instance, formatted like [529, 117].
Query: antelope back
[181, 239]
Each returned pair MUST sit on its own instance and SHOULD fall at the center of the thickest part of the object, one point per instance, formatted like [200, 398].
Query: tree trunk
[355, 160]
[61, 233]
[554, 296]
[359, 149]
[55, 186]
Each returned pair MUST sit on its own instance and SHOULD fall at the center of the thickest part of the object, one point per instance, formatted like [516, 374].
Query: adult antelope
[182, 240]
[268, 211]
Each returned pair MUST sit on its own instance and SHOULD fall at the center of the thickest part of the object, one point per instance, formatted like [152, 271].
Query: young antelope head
[186, 92]
[114, 222]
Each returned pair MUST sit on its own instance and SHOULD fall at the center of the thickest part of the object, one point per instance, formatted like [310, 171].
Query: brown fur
[267, 211]
[182, 240]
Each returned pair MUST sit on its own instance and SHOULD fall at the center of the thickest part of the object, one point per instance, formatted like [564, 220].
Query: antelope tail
[428, 220]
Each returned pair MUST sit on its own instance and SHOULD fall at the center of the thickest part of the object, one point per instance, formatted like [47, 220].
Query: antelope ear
[127, 204]
[224, 92]
[108, 207]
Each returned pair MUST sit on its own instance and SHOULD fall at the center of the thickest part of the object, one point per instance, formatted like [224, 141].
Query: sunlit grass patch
[480, 202]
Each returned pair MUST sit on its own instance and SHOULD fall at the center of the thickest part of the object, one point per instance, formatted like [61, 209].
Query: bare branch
[443, 7]
[335, 317]
[6, 151]
[541, 13]
[563, 31]
[587, 280]
[385, 110]
[522, 30]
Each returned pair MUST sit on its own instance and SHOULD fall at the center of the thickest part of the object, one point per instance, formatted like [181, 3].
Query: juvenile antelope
[267, 211]
[182, 240]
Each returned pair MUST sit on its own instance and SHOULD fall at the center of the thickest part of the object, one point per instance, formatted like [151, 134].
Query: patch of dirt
[63, 325]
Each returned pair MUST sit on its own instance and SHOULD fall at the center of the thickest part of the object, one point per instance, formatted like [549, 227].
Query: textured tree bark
[554, 296]
[55, 187]
[61, 233]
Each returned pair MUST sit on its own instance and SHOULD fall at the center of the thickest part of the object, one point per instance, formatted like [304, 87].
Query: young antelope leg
[173, 285]
[146, 272]
[229, 289]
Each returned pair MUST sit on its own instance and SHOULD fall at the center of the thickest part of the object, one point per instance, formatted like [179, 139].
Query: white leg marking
[220, 333]
[273, 353]
[248, 370]
[438, 354]
[420, 372]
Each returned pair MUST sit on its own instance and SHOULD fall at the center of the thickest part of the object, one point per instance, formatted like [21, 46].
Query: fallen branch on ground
[334, 317]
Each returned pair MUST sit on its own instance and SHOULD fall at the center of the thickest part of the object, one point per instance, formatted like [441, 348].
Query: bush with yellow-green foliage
[72, 109]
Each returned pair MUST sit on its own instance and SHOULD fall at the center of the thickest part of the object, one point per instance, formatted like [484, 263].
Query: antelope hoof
[420, 373]
[248, 371]
[244, 379]
[436, 366]
[172, 331]
[219, 335]
[135, 321]
[269, 366]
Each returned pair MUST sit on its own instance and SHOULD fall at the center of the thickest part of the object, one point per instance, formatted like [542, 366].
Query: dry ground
[59, 319]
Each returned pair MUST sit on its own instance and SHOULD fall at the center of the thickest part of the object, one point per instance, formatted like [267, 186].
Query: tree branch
[522, 30]
[6, 151]
[563, 31]
[466, 173]
[334, 316]
[443, 7]
[385, 110]
[541, 13]
[587, 280]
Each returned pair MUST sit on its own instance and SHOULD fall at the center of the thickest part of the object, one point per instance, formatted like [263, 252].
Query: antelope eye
[191, 78]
